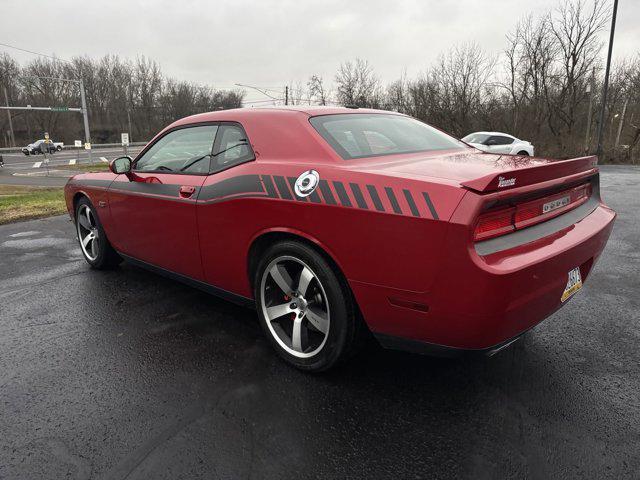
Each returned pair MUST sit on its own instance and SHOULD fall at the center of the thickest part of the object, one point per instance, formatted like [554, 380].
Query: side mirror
[121, 165]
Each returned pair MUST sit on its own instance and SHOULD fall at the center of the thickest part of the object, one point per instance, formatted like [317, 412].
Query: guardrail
[94, 146]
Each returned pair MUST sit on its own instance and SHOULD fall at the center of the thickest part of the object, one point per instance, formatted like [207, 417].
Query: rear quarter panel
[373, 239]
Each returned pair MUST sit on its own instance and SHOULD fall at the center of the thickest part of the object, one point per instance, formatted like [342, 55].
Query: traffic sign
[77, 143]
[46, 136]
[87, 146]
[124, 137]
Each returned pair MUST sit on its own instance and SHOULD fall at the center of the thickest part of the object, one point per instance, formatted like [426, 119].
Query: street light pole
[6, 101]
[85, 117]
[605, 88]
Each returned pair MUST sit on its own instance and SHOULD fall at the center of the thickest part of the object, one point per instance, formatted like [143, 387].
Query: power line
[34, 53]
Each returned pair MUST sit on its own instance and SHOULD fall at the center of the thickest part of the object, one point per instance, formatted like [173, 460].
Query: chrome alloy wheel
[295, 306]
[88, 232]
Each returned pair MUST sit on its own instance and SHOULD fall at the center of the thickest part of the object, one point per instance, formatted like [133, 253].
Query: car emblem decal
[506, 182]
[306, 183]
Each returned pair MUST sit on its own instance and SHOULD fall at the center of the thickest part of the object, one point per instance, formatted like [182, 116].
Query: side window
[504, 140]
[231, 148]
[186, 150]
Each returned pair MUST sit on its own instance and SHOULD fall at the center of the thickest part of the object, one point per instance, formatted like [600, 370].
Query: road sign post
[124, 139]
[87, 136]
[77, 145]
[45, 152]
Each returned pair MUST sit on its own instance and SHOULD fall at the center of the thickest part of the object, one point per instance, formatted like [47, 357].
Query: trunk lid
[482, 172]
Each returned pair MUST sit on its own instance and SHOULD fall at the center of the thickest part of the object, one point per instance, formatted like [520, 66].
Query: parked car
[38, 147]
[334, 221]
[498, 142]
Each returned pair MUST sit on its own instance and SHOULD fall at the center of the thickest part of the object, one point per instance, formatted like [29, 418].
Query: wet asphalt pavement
[127, 375]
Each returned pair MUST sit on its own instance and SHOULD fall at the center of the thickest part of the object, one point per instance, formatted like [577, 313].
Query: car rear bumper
[481, 302]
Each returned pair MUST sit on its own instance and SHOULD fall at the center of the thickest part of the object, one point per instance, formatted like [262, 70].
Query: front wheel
[523, 153]
[305, 308]
[95, 246]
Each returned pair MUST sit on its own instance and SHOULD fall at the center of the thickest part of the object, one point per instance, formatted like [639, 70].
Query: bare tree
[357, 85]
[316, 89]
[575, 27]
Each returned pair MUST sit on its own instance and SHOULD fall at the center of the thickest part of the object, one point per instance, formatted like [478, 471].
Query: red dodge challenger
[332, 221]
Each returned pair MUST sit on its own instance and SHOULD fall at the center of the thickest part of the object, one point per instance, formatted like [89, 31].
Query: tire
[97, 251]
[323, 301]
[523, 153]
[26, 154]
[58, 148]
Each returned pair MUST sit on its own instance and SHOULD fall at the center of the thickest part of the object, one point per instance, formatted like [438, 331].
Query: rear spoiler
[519, 177]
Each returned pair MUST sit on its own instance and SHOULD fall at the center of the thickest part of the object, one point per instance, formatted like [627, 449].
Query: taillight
[494, 223]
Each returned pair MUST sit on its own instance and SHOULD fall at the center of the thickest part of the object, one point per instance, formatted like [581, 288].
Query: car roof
[238, 114]
[495, 133]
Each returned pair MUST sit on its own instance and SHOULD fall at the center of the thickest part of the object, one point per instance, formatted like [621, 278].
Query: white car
[498, 142]
[39, 146]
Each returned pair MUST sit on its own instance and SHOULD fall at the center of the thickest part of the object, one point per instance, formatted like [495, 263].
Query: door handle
[187, 190]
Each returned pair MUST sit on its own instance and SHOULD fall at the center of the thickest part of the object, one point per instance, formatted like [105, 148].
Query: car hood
[474, 169]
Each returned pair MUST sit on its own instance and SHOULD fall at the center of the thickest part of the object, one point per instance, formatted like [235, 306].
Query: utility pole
[286, 95]
[85, 117]
[605, 88]
[591, 86]
[6, 101]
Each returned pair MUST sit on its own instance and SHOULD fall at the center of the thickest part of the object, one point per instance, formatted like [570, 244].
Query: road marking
[72, 161]
[37, 164]
[104, 159]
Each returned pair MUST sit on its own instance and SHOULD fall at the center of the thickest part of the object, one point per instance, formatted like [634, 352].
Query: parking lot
[125, 374]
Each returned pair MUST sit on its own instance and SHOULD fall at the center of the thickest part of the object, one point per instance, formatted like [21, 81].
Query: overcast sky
[269, 43]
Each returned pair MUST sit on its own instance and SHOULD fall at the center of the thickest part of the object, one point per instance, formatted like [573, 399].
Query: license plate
[555, 204]
[574, 283]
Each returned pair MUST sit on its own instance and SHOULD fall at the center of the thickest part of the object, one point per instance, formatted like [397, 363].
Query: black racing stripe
[412, 204]
[376, 199]
[314, 197]
[232, 186]
[148, 188]
[292, 182]
[269, 186]
[432, 209]
[281, 183]
[327, 193]
[342, 194]
[357, 194]
[393, 200]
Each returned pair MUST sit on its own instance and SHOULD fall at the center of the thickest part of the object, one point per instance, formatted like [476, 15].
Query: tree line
[545, 87]
[122, 96]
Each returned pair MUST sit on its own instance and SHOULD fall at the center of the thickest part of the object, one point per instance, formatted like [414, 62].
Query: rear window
[361, 135]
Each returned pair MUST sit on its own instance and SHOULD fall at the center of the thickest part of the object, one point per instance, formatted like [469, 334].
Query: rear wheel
[95, 246]
[523, 153]
[305, 308]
